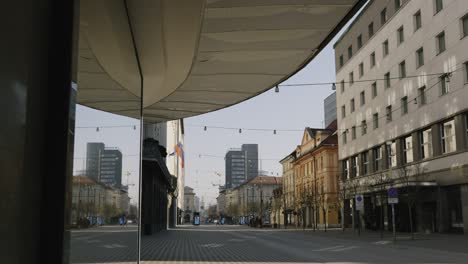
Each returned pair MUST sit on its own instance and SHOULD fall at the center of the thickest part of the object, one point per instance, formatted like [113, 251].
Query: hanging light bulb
[274, 132]
[97, 129]
[134, 127]
[240, 130]
[277, 89]
[205, 128]
[416, 100]
[333, 86]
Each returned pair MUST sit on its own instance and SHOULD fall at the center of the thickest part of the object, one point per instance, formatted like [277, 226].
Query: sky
[293, 108]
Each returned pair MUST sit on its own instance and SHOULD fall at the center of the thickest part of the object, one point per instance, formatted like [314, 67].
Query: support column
[460, 131]
[436, 144]
[464, 203]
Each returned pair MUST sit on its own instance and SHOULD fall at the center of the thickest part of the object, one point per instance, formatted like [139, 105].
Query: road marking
[344, 248]
[383, 242]
[212, 245]
[114, 246]
[328, 248]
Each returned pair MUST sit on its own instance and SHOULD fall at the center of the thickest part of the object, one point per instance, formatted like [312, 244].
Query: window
[363, 127]
[350, 51]
[404, 105]
[370, 29]
[383, 16]
[342, 86]
[372, 59]
[466, 71]
[345, 165]
[385, 48]
[374, 89]
[376, 120]
[391, 154]
[466, 126]
[363, 98]
[354, 167]
[417, 20]
[402, 68]
[341, 61]
[444, 87]
[465, 25]
[397, 4]
[365, 162]
[447, 134]
[438, 6]
[425, 139]
[419, 57]
[344, 137]
[387, 80]
[343, 111]
[361, 69]
[351, 105]
[359, 42]
[440, 42]
[400, 35]
[407, 149]
[422, 96]
[351, 78]
[353, 132]
[388, 112]
[377, 158]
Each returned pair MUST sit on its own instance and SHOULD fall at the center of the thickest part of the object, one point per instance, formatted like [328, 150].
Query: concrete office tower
[401, 130]
[329, 105]
[104, 164]
[241, 165]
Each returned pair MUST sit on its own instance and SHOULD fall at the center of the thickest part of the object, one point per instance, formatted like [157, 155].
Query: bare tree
[342, 195]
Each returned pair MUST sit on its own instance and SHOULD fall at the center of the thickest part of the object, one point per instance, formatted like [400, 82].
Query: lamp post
[389, 145]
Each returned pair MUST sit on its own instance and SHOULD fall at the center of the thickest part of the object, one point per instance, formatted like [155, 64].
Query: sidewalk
[444, 242]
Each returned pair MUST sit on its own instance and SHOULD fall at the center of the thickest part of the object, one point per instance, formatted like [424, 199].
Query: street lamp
[389, 146]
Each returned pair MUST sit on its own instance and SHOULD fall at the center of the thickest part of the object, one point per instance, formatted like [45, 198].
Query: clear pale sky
[291, 108]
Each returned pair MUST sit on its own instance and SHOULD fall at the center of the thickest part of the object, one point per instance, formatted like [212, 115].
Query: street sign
[359, 202]
[392, 196]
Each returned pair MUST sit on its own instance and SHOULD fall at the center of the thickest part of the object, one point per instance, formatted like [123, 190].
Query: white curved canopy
[196, 56]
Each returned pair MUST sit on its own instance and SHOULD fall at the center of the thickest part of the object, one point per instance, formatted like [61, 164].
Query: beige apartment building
[289, 188]
[402, 101]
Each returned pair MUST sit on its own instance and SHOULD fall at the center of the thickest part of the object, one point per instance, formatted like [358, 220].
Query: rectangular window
[374, 89]
[404, 105]
[400, 35]
[345, 165]
[376, 120]
[447, 134]
[363, 127]
[341, 61]
[397, 4]
[359, 42]
[363, 98]
[351, 78]
[444, 87]
[344, 137]
[402, 68]
[419, 57]
[354, 167]
[465, 25]
[387, 80]
[417, 20]
[383, 16]
[466, 127]
[466, 71]
[385, 48]
[438, 6]
[391, 154]
[377, 158]
[343, 111]
[353, 132]
[342, 86]
[372, 59]
[361, 69]
[351, 105]
[425, 139]
[350, 51]
[422, 96]
[365, 163]
[370, 29]
[388, 111]
[440, 41]
[407, 149]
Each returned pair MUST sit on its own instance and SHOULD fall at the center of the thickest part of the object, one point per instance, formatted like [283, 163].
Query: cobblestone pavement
[239, 244]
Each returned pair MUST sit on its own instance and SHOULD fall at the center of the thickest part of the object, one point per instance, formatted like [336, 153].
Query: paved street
[229, 244]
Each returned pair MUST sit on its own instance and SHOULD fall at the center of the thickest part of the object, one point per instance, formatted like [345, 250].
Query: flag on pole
[180, 151]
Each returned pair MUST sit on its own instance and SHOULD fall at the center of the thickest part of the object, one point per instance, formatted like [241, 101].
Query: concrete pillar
[436, 144]
[460, 131]
[416, 146]
[399, 152]
[442, 211]
[371, 161]
[464, 203]
[385, 156]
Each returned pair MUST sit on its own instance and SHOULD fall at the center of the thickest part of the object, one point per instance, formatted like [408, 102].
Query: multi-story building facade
[402, 100]
[241, 165]
[104, 164]
[329, 109]
[316, 178]
[289, 187]
[189, 204]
